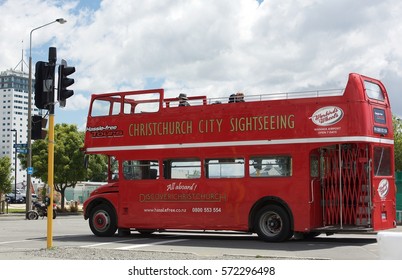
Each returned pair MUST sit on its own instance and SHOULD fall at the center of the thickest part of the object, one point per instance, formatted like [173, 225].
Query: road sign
[30, 170]
[21, 146]
[22, 151]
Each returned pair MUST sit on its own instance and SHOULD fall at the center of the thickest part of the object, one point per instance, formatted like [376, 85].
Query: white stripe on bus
[244, 143]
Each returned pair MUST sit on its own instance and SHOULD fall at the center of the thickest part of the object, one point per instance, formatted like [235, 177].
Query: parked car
[15, 198]
[34, 197]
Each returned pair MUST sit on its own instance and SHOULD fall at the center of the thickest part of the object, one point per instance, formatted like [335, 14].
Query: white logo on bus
[383, 188]
[327, 116]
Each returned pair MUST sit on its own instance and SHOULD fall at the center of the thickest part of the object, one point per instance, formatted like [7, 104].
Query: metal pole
[15, 164]
[340, 187]
[50, 177]
[50, 166]
[29, 144]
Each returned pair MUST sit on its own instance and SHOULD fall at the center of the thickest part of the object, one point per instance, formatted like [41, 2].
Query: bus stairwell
[345, 187]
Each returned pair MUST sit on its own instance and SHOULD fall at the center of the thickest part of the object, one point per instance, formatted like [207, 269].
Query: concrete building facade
[14, 117]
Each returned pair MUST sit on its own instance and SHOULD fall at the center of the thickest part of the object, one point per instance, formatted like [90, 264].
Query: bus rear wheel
[272, 224]
[102, 221]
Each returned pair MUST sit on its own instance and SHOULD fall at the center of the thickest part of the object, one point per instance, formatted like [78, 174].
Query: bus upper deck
[147, 118]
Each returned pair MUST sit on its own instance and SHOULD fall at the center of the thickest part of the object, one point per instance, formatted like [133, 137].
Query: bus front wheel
[272, 224]
[102, 221]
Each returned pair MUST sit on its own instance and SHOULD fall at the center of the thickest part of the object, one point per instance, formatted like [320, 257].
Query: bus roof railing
[195, 100]
[282, 96]
[200, 100]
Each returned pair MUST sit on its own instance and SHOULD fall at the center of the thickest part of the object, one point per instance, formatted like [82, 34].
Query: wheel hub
[101, 221]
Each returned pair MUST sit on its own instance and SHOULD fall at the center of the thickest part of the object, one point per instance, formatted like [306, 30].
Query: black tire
[32, 215]
[54, 214]
[272, 224]
[103, 221]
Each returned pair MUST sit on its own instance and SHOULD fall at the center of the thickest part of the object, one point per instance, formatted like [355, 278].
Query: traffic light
[44, 84]
[38, 127]
[63, 92]
[47, 201]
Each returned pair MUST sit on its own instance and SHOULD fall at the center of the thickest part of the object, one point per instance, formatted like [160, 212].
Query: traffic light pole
[44, 99]
[50, 166]
[50, 177]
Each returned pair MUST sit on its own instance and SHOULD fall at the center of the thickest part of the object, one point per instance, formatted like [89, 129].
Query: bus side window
[382, 161]
[131, 171]
[270, 166]
[140, 169]
[106, 106]
[182, 168]
[224, 168]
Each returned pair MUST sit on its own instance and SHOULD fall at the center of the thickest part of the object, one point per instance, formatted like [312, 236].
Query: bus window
[270, 166]
[224, 168]
[141, 103]
[373, 91]
[106, 106]
[140, 169]
[182, 169]
[382, 161]
[113, 169]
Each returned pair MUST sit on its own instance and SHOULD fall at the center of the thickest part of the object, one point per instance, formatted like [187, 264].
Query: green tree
[68, 159]
[398, 142]
[5, 175]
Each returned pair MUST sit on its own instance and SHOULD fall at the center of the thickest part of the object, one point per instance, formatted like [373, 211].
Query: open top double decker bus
[277, 165]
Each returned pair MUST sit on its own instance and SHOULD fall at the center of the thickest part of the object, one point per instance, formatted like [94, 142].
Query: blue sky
[208, 47]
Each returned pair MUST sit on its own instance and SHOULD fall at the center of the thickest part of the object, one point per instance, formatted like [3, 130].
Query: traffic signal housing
[47, 201]
[63, 93]
[44, 84]
[38, 127]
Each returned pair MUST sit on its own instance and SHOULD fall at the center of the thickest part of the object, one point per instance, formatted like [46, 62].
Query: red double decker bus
[277, 165]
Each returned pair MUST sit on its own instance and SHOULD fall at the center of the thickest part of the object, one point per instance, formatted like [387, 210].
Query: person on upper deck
[232, 98]
[183, 100]
[239, 97]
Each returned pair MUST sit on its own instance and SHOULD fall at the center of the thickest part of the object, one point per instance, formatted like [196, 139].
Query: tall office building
[14, 117]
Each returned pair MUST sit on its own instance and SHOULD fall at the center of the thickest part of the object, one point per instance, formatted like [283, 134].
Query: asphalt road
[24, 239]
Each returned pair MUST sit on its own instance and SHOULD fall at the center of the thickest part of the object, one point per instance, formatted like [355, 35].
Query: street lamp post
[29, 159]
[15, 164]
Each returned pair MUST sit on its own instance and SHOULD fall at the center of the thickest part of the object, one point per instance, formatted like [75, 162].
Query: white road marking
[106, 243]
[14, 241]
[150, 244]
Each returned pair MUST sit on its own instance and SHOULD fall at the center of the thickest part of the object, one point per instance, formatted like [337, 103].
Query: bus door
[346, 186]
[315, 190]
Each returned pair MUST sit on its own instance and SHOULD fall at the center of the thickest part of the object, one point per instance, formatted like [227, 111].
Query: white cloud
[213, 47]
